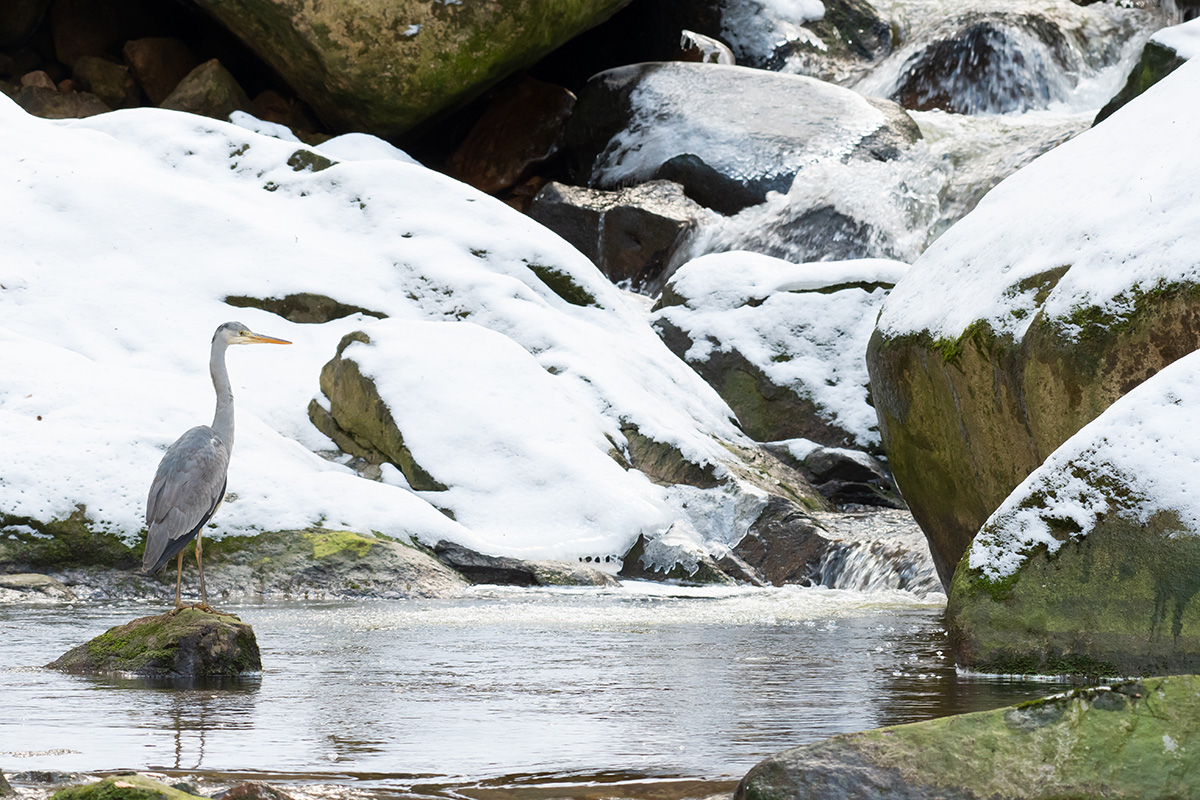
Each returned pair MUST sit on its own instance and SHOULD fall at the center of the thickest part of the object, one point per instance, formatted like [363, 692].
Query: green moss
[73, 541]
[303, 160]
[1119, 601]
[563, 285]
[123, 787]
[328, 544]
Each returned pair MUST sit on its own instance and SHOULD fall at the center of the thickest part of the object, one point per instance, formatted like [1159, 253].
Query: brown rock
[209, 90]
[271, 106]
[253, 790]
[98, 27]
[158, 64]
[39, 78]
[111, 82]
[50, 104]
[521, 128]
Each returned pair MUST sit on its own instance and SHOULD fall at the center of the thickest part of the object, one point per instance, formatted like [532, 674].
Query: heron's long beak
[258, 338]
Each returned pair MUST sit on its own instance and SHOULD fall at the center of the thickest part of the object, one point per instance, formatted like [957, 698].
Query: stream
[643, 691]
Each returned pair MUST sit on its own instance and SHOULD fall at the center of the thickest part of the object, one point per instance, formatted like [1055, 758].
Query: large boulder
[124, 786]
[1129, 740]
[1036, 311]
[383, 67]
[1093, 564]
[783, 343]
[1162, 55]
[189, 643]
[729, 134]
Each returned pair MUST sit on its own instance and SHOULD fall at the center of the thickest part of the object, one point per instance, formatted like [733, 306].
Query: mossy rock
[304, 307]
[1131, 740]
[186, 643]
[384, 67]
[123, 787]
[1119, 601]
[963, 422]
[1156, 63]
[359, 420]
[30, 545]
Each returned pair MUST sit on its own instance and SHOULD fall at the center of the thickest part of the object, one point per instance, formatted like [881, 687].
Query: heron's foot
[175, 610]
[205, 607]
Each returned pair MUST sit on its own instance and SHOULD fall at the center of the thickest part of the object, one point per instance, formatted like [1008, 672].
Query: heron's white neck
[223, 418]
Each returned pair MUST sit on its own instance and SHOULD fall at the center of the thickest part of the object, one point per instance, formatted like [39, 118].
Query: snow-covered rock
[1070, 283]
[1093, 563]
[729, 134]
[129, 236]
[783, 343]
[1162, 55]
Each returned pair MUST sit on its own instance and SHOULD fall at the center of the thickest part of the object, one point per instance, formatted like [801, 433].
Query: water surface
[640, 691]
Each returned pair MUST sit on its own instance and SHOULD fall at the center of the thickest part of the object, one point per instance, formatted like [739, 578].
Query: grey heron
[190, 482]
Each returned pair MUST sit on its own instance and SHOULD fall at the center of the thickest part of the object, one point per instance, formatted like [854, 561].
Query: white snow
[773, 312]
[124, 232]
[1141, 443]
[742, 122]
[1183, 39]
[1119, 215]
[755, 29]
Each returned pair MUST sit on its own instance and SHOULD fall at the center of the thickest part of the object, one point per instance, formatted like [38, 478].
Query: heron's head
[239, 333]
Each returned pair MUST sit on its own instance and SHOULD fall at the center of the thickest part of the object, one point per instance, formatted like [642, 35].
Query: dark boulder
[158, 64]
[209, 90]
[635, 235]
[480, 568]
[521, 128]
[111, 82]
[991, 64]
[50, 104]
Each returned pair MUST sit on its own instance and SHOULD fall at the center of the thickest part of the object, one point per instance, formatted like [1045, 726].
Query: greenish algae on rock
[1118, 601]
[187, 643]
[963, 422]
[383, 66]
[1131, 740]
[123, 787]
[30, 545]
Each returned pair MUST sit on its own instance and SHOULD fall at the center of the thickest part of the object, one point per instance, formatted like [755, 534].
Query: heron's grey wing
[187, 488]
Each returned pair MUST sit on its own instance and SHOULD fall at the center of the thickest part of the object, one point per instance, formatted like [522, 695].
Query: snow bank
[1183, 39]
[1137, 458]
[124, 233]
[1121, 217]
[806, 326]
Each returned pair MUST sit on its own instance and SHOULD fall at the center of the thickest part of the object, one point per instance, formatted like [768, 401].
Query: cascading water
[1000, 82]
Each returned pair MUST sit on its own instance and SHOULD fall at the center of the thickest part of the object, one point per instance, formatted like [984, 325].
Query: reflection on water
[644, 684]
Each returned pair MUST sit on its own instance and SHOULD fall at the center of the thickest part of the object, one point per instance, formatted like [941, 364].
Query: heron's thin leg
[200, 567]
[178, 579]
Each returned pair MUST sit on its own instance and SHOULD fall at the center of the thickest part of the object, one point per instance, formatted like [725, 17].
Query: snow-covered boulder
[729, 134]
[1092, 565]
[553, 420]
[783, 343]
[1162, 55]
[1070, 283]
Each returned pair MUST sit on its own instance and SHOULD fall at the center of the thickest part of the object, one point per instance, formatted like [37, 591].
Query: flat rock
[32, 586]
[1132, 740]
[189, 643]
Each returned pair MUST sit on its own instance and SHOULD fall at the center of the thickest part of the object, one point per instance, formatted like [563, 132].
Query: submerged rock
[1093, 564]
[127, 786]
[383, 68]
[1134, 740]
[728, 134]
[1035, 312]
[187, 643]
